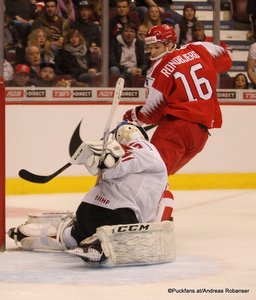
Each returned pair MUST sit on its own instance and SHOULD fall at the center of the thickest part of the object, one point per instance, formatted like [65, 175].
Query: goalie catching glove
[89, 153]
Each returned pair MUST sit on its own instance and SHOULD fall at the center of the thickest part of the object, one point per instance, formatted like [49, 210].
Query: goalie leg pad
[135, 244]
[43, 231]
[129, 244]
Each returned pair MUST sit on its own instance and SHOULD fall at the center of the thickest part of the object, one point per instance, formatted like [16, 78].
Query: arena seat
[226, 82]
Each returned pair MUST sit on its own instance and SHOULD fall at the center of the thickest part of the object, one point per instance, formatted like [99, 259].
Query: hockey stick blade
[26, 175]
[149, 127]
[75, 140]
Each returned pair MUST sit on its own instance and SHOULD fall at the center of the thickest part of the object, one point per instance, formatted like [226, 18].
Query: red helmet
[161, 33]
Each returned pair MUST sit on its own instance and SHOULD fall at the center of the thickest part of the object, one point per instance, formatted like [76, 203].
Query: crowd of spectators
[59, 43]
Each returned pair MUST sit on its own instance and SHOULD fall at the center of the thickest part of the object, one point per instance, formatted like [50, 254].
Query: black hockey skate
[15, 234]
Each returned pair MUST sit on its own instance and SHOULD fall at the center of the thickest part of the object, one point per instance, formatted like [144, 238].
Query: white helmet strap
[163, 54]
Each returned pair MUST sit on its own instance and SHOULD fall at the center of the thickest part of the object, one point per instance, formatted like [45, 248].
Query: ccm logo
[133, 227]
[61, 94]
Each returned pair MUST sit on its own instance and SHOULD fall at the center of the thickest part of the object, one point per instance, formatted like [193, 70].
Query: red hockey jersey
[183, 84]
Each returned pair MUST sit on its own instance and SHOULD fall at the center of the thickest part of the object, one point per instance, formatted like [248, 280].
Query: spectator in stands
[251, 10]
[89, 30]
[20, 76]
[47, 75]
[126, 54]
[56, 25]
[120, 19]
[97, 11]
[8, 71]
[184, 28]
[169, 22]
[33, 60]
[143, 29]
[40, 6]
[38, 37]
[240, 81]
[11, 37]
[152, 18]
[22, 12]
[174, 15]
[251, 64]
[141, 34]
[66, 9]
[48, 78]
[141, 7]
[165, 7]
[198, 35]
[76, 59]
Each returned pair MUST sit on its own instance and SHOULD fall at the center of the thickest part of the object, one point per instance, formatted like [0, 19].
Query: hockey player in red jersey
[182, 98]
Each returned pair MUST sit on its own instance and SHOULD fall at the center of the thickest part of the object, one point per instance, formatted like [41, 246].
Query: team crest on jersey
[129, 150]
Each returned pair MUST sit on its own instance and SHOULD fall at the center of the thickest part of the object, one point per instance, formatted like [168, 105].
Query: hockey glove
[89, 153]
[132, 115]
[111, 155]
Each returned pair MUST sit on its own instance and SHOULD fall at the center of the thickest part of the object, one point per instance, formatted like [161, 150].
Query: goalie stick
[24, 174]
[76, 141]
[28, 176]
[117, 96]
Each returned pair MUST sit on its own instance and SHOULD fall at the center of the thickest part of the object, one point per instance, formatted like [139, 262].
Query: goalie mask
[126, 132]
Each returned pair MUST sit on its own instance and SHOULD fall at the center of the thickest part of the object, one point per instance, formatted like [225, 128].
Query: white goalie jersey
[137, 182]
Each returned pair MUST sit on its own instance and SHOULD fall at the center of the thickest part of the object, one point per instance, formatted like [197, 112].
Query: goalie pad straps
[44, 231]
[135, 244]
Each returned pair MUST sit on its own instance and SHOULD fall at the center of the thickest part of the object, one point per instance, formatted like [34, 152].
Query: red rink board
[2, 165]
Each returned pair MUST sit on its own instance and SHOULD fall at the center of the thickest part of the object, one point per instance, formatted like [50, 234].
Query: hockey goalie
[125, 219]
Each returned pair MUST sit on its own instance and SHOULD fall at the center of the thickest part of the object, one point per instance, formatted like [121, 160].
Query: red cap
[22, 69]
[40, 5]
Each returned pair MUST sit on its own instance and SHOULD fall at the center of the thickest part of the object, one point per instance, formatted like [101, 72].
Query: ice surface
[215, 240]
[63, 268]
